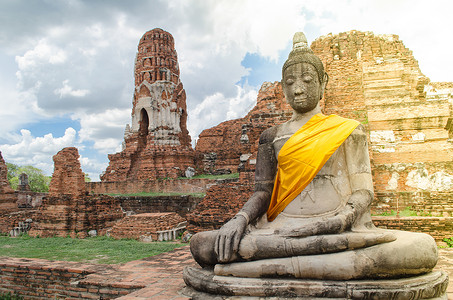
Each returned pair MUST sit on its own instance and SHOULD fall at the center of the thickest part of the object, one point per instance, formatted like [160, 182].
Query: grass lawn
[102, 250]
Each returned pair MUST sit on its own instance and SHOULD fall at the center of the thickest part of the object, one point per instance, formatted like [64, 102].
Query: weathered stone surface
[430, 286]
[157, 144]
[67, 178]
[152, 226]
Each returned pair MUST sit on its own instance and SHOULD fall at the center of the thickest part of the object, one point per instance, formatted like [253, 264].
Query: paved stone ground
[162, 274]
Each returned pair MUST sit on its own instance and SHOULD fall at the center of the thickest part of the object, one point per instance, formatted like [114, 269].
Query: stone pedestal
[203, 284]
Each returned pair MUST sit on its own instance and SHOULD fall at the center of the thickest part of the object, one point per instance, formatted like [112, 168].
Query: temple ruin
[68, 209]
[157, 144]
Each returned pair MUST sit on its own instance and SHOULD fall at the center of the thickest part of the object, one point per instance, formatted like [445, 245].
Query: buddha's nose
[299, 89]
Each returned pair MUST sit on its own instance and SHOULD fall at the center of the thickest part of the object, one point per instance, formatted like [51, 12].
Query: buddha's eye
[307, 78]
[289, 81]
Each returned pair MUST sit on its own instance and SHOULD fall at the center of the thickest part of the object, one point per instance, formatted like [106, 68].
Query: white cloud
[92, 167]
[105, 129]
[67, 90]
[217, 108]
[37, 151]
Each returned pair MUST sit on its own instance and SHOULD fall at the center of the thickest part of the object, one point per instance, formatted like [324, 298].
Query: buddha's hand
[228, 238]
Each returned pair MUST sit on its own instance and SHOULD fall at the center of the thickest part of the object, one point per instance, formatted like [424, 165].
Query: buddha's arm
[229, 236]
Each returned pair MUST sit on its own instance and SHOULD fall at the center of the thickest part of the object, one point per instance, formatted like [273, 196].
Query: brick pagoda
[157, 144]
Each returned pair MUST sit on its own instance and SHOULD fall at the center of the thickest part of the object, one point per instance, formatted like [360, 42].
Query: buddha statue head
[303, 76]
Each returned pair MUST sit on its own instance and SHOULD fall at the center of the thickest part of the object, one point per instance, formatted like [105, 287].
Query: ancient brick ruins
[157, 144]
[162, 226]
[7, 197]
[375, 79]
[67, 178]
[68, 209]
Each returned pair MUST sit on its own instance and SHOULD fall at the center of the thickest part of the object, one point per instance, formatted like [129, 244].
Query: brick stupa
[157, 144]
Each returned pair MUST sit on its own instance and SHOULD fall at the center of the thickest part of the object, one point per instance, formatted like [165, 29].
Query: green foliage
[36, 179]
[87, 177]
[100, 249]
[9, 296]
[449, 242]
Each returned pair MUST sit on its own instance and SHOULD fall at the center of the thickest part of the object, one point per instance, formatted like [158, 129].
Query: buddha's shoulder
[268, 135]
[359, 134]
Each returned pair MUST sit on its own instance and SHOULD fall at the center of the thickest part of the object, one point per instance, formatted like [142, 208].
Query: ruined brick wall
[221, 203]
[67, 177]
[42, 279]
[438, 228]
[7, 197]
[145, 225]
[376, 79]
[75, 216]
[198, 185]
[139, 205]
[157, 144]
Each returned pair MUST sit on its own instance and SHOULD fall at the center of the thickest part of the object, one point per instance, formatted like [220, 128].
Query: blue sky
[66, 75]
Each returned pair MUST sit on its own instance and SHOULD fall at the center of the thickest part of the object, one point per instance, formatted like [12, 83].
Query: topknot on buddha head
[301, 53]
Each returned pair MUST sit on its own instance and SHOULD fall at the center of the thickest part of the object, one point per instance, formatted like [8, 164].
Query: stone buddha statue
[309, 217]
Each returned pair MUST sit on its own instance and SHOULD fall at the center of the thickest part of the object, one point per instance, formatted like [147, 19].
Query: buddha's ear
[324, 84]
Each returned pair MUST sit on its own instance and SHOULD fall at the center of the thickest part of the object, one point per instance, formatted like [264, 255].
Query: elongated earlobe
[324, 84]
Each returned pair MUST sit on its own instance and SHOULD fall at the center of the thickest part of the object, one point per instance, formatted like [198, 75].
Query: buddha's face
[302, 87]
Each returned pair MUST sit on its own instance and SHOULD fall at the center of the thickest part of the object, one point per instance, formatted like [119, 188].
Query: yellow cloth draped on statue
[304, 154]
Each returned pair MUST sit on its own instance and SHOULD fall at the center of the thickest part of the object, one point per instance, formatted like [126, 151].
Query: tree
[13, 175]
[37, 181]
[87, 177]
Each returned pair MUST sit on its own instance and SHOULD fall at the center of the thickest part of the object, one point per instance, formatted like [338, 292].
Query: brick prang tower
[157, 144]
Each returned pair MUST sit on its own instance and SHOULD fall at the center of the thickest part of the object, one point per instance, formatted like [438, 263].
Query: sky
[66, 67]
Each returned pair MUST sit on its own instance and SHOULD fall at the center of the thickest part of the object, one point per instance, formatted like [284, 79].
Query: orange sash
[304, 154]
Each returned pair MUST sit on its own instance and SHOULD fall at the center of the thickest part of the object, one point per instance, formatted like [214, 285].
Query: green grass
[156, 194]
[102, 250]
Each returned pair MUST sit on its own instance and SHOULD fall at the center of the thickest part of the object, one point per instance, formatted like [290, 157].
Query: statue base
[204, 284]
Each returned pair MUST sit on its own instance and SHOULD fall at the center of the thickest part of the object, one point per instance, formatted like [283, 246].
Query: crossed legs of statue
[375, 253]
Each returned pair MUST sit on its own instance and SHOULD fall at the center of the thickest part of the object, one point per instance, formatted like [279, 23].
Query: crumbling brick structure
[221, 203]
[149, 227]
[68, 209]
[7, 197]
[157, 144]
[67, 178]
[376, 79]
